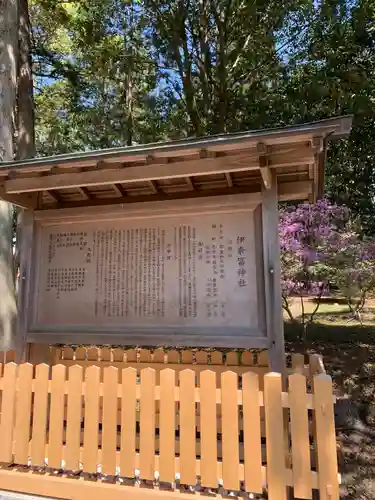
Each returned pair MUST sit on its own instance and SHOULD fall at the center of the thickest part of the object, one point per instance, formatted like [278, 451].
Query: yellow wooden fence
[100, 438]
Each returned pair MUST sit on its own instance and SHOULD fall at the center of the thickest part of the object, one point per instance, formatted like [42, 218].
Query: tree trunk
[8, 86]
[25, 137]
[25, 128]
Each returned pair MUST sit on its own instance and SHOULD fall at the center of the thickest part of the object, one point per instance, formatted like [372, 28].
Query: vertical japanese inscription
[171, 271]
[132, 271]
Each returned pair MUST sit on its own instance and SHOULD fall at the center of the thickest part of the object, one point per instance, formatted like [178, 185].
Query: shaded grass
[332, 332]
[332, 323]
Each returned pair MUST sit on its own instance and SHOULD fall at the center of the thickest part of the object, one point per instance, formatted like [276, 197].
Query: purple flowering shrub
[321, 248]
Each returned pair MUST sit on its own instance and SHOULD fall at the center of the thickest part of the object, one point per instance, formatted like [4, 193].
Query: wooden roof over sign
[217, 165]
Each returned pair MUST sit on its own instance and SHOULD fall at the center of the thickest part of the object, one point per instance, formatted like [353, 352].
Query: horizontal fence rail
[244, 434]
[197, 360]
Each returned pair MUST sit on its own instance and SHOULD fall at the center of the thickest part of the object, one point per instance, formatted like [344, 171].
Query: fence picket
[230, 432]
[159, 356]
[208, 429]
[187, 428]
[23, 414]
[144, 356]
[263, 359]
[316, 364]
[105, 354]
[109, 429]
[7, 412]
[1, 375]
[216, 358]
[80, 353]
[128, 422]
[68, 353]
[118, 355]
[56, 417]
[326, 440]
[39, 428]
[173, 356]
[92, 354]
[252, 433]
[232, 358]
[90, 436]
[167, 426]
[298, 363]
[187, 357]
[300, 436]
[247, 358]
[147, 424]
[73, 421]
[201, 357]
[131, 356]
[276, 473]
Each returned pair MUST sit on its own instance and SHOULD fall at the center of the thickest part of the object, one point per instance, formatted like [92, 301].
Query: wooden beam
[84, 192]
[208, 166]
[26, 235]
[290, 191]
[319, 181]
[229, 179]
[266, 177]
[300, 156]
[153, 187]
[28, 201]
[272, 277]
[317, 143]
[52, 194]
[119, 190]
[286, 191]
[205, 153]
[265, 171]
[255, 188]
[190, 183]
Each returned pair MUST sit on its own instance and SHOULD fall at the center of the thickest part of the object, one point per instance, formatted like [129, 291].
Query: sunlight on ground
[333, 312]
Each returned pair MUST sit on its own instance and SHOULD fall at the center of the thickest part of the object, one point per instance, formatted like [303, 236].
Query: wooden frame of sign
[185, 272]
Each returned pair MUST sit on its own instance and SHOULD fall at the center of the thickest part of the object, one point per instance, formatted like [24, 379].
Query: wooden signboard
[186, 272]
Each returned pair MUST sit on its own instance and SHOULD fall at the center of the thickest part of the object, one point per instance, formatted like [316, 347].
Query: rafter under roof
[231, 163]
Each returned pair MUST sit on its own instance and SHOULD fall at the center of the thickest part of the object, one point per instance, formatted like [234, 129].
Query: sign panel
[174, 273]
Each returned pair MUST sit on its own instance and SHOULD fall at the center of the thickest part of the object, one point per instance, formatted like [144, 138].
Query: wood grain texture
[187, 428]
[23, 414]
[326, 438]
[276, 473]
[8, 404]
[90, 439]
[167, 426]
[208, 429]
[128, 422]
[147, 424]
[56, 418]
[230, 430]
[73, 422]
[39, 425]
[109, 420]
[252, 433]
[300, 436]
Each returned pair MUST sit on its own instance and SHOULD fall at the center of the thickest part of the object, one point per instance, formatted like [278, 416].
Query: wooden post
[25, 243]
[272, 276]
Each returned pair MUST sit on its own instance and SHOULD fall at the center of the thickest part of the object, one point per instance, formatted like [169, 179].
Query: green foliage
[117, 72]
